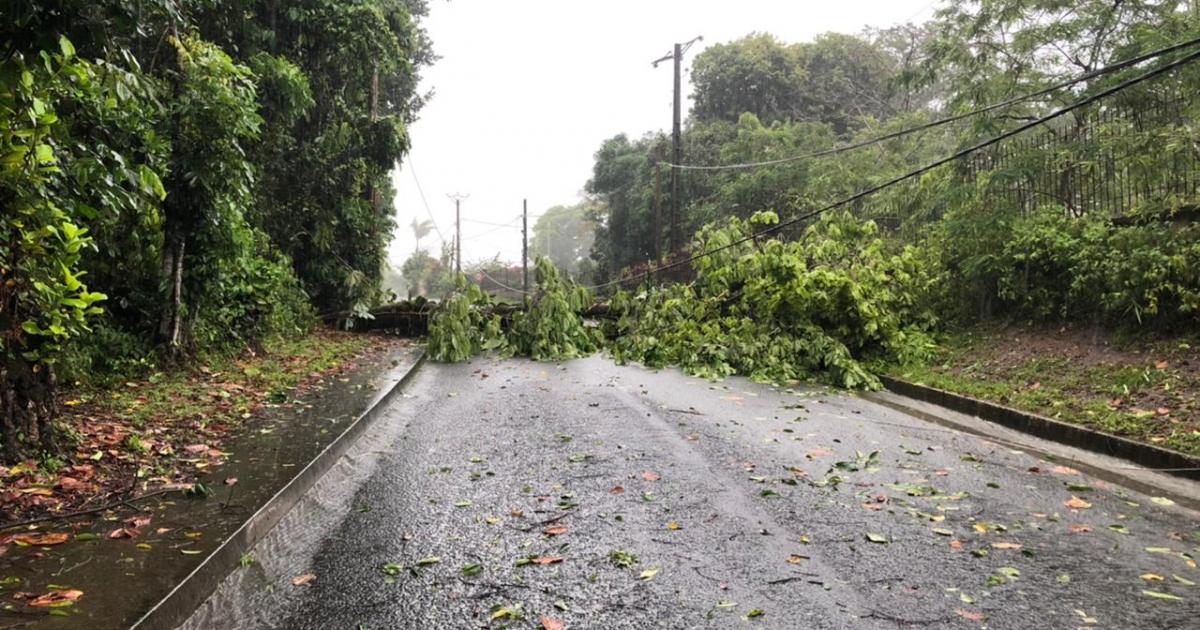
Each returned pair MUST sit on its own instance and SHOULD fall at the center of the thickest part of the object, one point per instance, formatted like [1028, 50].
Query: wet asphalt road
[732, 504]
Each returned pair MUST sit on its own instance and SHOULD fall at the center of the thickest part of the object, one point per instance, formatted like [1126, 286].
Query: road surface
[501, 492]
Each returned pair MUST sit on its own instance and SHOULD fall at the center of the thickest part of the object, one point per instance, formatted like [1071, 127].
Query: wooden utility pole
[458, 230]
[676, 57]
[658, 203]
[525, 245]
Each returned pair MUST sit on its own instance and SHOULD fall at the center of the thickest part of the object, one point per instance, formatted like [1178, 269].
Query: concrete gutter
[1153, 458]
[189, 594]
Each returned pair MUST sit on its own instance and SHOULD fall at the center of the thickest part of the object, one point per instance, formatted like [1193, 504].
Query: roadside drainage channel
[178, 605]
[123, 574]
[1143, 467]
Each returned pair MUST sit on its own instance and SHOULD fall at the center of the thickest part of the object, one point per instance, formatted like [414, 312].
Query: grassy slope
[1147, 390]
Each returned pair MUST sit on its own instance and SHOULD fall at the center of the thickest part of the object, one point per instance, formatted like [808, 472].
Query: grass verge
[1143, 389]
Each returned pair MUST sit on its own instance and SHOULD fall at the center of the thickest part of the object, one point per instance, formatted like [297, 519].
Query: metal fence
[1115, 159]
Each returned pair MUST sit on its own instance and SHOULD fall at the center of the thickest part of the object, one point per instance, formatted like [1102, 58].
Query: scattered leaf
[1161, 595]
[550, 623]
[1075, 503]
[877, 538]
[303, 580]
[648, 574]
[57, 599]
[41, 540]
[471, 570]
[650, 475]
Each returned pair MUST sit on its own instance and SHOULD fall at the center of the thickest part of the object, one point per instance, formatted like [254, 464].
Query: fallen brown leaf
[968, 615]
[544, 560]
[303, 580]
[1075, 503]
[137, 521]
[42, 540]
[550, 623]
[555, 530]
[649, 475]
[56, 599]
[617, 489]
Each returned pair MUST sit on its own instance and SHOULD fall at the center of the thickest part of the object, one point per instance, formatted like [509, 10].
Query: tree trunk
[170, 327]
[27, 404]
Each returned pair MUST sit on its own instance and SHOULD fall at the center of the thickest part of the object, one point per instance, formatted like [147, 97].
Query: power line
[412, 169]
[947, 120]
[512, 223]
[1145, 76]
[487, 232]
[501, 284]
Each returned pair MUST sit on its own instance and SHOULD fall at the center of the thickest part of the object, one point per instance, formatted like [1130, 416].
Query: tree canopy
[187, 177]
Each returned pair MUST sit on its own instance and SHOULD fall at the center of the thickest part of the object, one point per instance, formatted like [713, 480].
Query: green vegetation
[1087, 221]
[775, 310]
[186, 178]
[1023, 229]
[550, 327]
[1146, 390]
[171, 398]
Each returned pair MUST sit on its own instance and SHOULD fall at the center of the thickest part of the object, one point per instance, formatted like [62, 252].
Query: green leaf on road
[1161, 595]
[879, 539]
[471, 570]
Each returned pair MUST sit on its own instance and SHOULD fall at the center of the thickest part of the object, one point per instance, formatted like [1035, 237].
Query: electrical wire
[501, 284]
[412, 169]
[512, 223]
[947, 120]
[487, 232]
[1145, 76]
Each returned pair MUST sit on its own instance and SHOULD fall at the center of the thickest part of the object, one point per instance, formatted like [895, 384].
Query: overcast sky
[526, 90]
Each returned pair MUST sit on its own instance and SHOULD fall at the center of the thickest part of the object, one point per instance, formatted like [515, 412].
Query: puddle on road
[121, 579]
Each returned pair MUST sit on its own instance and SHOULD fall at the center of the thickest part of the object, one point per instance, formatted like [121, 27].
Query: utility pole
[525, 245]
[676, 135]
[658, 156]
[457, 197]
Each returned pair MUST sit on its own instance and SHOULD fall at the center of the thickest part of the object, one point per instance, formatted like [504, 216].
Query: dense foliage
[818, 307]
[821, 307]
[1086, 219]
[189, 177]
[548, 327]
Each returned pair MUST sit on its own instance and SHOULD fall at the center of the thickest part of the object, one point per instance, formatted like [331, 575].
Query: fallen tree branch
[103, 508]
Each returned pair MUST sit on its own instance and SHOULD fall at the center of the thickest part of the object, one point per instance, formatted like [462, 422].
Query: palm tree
[421, 230]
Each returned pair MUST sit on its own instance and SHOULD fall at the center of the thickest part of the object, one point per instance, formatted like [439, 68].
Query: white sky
[526, 90]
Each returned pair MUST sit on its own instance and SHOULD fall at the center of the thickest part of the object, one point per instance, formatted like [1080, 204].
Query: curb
[1154, 458]
[175, 608]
